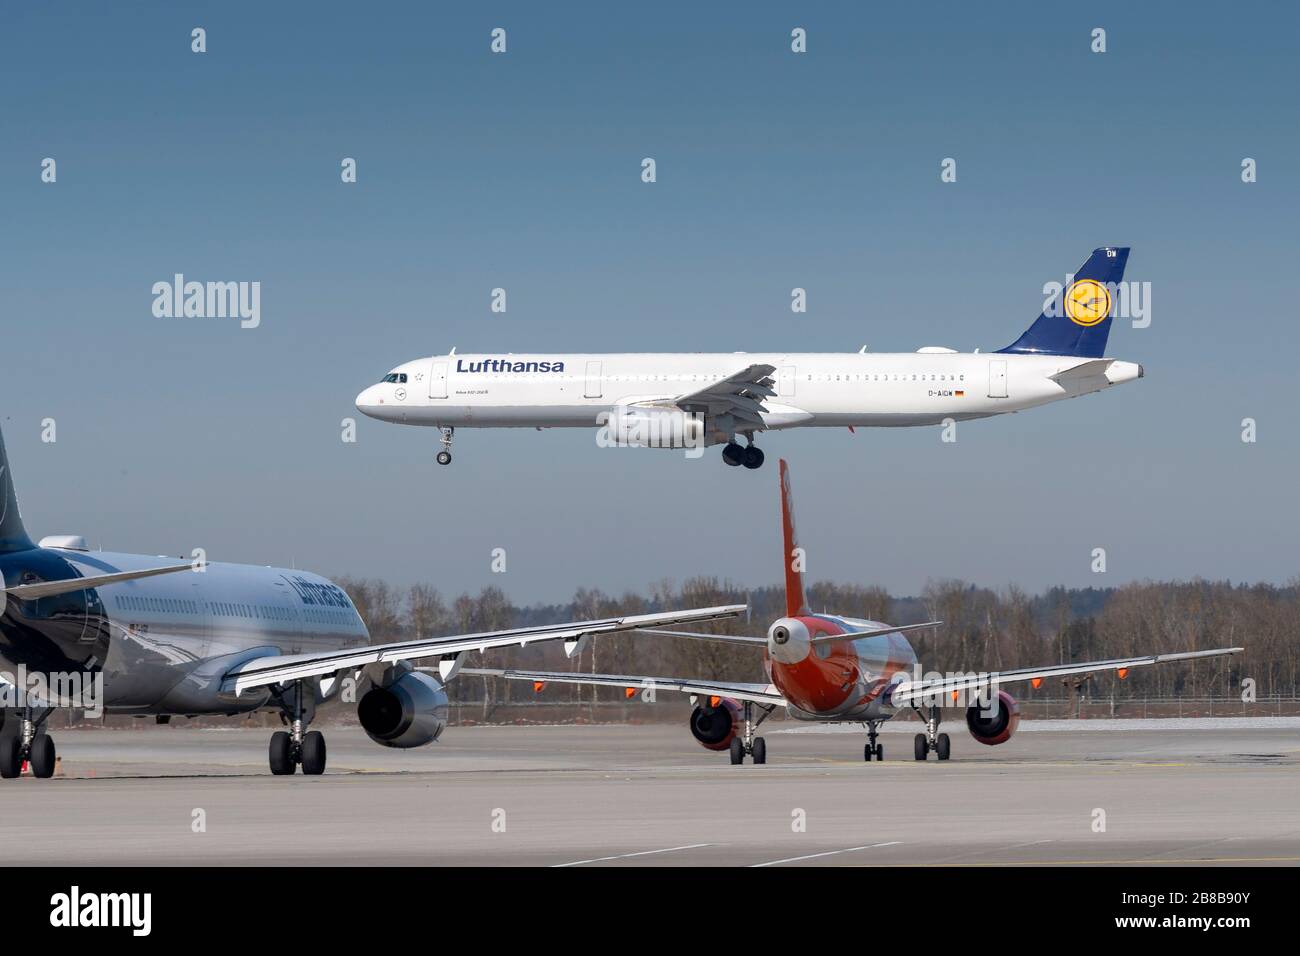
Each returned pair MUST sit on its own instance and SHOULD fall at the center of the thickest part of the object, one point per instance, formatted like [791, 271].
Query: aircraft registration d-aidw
[826, 667]
[135, 636]
[693, 400]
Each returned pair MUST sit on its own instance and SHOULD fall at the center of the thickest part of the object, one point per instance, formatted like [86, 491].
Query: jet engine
[996, 722]
[409, 712]
[713, 726]
[629, 427]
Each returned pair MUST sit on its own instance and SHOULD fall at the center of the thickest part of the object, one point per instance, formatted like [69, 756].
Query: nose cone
[366, 401]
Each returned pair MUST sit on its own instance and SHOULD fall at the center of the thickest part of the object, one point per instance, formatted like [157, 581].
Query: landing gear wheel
[42, 756]
[753, 457]
[444, 458]
[920, 746]
[11, 756]
[868, 752]
[760, 750]
[313, 753]
[737, 750]
[733, 454]
[942, 746]
[880, 751]
[281, 757]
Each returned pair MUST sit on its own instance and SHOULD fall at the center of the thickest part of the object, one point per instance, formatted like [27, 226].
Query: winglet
[793, 558]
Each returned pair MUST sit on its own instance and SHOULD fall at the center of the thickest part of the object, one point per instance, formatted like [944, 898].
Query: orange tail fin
[795, 560]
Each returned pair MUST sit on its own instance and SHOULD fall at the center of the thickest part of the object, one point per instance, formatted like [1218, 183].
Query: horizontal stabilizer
[1097, 367]
[875, 632]
[720, 638]
[31, 592]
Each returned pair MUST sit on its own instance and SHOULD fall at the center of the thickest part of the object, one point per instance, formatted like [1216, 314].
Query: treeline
[983, 630]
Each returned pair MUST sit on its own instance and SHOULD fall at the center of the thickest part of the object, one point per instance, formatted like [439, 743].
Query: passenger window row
[159, 605]
[887, 377]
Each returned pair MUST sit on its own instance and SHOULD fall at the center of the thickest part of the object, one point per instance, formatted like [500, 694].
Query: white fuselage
[812, 389]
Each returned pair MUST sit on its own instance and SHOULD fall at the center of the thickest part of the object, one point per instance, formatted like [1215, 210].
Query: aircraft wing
[740, 395]
[278, 669]
[758, 693]
[40, 589]
[909, 692]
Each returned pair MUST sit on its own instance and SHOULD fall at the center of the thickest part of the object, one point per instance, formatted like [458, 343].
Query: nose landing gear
[444, 457]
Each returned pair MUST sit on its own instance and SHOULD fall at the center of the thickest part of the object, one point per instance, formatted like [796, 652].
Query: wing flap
[741, 394]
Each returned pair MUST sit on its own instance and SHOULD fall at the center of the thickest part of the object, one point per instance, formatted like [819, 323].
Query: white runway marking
[813, 856]
[624, 856]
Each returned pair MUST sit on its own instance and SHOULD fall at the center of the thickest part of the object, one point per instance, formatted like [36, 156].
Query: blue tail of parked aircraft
[1079, 321]
[13, 536]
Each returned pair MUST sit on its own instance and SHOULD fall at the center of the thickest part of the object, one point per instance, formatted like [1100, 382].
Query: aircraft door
[998, 379]
[785, 382]
[438, 380]
[592, 387]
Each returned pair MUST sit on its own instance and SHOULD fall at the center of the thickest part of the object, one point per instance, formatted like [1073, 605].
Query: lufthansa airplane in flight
[826, 667]
[692, 400]
[131, 635]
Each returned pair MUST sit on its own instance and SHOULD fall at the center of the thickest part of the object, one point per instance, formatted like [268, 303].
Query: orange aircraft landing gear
[931, 739]
[873, 750]
[747, 743]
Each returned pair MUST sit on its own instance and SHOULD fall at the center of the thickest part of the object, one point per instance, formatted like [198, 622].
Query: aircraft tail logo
[1078, 324]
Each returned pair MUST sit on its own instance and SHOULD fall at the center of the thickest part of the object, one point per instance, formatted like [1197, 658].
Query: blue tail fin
[1078, 322]
[13, 536]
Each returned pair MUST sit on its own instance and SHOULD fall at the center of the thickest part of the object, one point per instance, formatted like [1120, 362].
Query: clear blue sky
[522, 171]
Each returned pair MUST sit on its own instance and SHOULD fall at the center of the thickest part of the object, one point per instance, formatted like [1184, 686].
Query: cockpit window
[396, 377]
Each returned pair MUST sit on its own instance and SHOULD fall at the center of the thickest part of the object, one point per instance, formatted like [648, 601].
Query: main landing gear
[444, 456]
[931, 739]
[749, 455]
[747, 743]
[873, 749]
[29, 745]
[298, 746]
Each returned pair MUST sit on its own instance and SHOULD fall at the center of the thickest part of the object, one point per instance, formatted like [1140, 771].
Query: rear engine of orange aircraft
[409, 712]
[994, 724]
[715, 725]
